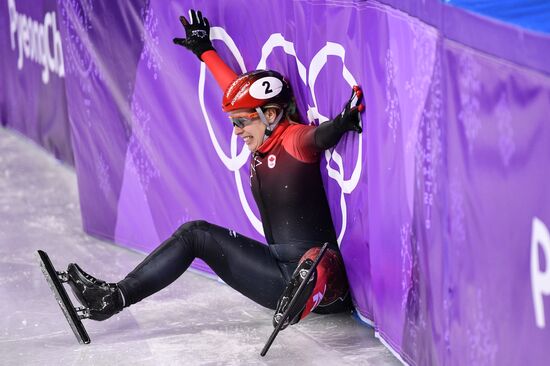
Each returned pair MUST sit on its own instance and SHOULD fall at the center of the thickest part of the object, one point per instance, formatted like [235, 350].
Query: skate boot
[102, 299]
[325, 287]
[289, 293]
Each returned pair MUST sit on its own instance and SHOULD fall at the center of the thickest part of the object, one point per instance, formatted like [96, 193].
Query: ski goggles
[244, 119]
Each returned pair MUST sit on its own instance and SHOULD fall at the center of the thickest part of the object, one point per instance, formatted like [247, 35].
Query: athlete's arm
[306, 142]
[219, 69]
[329, 133]
[198, 41]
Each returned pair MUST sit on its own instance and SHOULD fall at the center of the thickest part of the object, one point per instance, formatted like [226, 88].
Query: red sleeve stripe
[299, 142]
[219, 69]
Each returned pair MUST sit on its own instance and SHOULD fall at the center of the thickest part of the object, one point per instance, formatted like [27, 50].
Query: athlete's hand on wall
[197, 34]
[330, 132]
[349, 119]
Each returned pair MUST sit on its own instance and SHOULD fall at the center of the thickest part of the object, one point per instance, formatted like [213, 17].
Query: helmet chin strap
[269, 127]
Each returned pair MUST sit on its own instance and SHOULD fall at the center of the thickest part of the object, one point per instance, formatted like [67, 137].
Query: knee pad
[330, 280]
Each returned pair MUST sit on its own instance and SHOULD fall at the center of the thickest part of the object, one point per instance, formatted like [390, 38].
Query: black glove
[197, 34]
[349, 119]
[329, 133]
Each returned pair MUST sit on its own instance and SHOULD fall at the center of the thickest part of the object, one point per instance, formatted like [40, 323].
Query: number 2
[267, 85]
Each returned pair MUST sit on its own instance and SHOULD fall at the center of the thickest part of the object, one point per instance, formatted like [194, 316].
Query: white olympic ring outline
[235, 162]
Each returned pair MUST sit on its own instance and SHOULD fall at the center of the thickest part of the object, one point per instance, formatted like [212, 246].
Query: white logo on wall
[35, 43]
[540, 280]
[308, 76]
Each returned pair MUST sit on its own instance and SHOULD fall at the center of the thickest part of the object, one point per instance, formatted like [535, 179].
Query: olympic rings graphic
[237, 160]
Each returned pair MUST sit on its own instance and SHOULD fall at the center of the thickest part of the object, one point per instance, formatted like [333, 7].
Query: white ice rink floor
[195, 321]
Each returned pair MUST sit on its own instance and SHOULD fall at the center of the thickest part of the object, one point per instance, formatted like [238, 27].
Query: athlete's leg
[242, 263]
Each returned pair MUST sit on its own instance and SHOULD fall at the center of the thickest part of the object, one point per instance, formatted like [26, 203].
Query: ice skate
[295, 299]
[291, 291]
[73, 315]
[101, 299]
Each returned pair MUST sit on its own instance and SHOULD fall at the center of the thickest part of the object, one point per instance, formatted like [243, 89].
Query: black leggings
[248, 266]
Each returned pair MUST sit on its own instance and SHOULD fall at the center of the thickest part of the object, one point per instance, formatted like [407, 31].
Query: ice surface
[195, 321]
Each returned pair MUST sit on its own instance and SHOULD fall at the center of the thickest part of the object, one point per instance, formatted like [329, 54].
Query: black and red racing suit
[288, 189]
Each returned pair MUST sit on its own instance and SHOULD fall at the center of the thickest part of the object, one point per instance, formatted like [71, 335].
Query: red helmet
[256, 89]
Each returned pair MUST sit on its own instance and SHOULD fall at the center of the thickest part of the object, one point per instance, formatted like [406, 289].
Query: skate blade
[301, 288]
[70, 312]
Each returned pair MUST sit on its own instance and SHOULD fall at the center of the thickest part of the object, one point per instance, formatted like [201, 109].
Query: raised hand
[197, 34]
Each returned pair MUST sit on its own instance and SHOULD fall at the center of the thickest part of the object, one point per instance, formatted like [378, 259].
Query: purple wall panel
[441, 205]
[32, 91]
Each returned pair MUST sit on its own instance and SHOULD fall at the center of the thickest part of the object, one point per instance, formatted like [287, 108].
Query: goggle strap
[262, 116]
[264, 121]
[269, 127]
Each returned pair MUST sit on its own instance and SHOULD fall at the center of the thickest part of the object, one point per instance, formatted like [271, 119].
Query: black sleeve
[329, 133]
